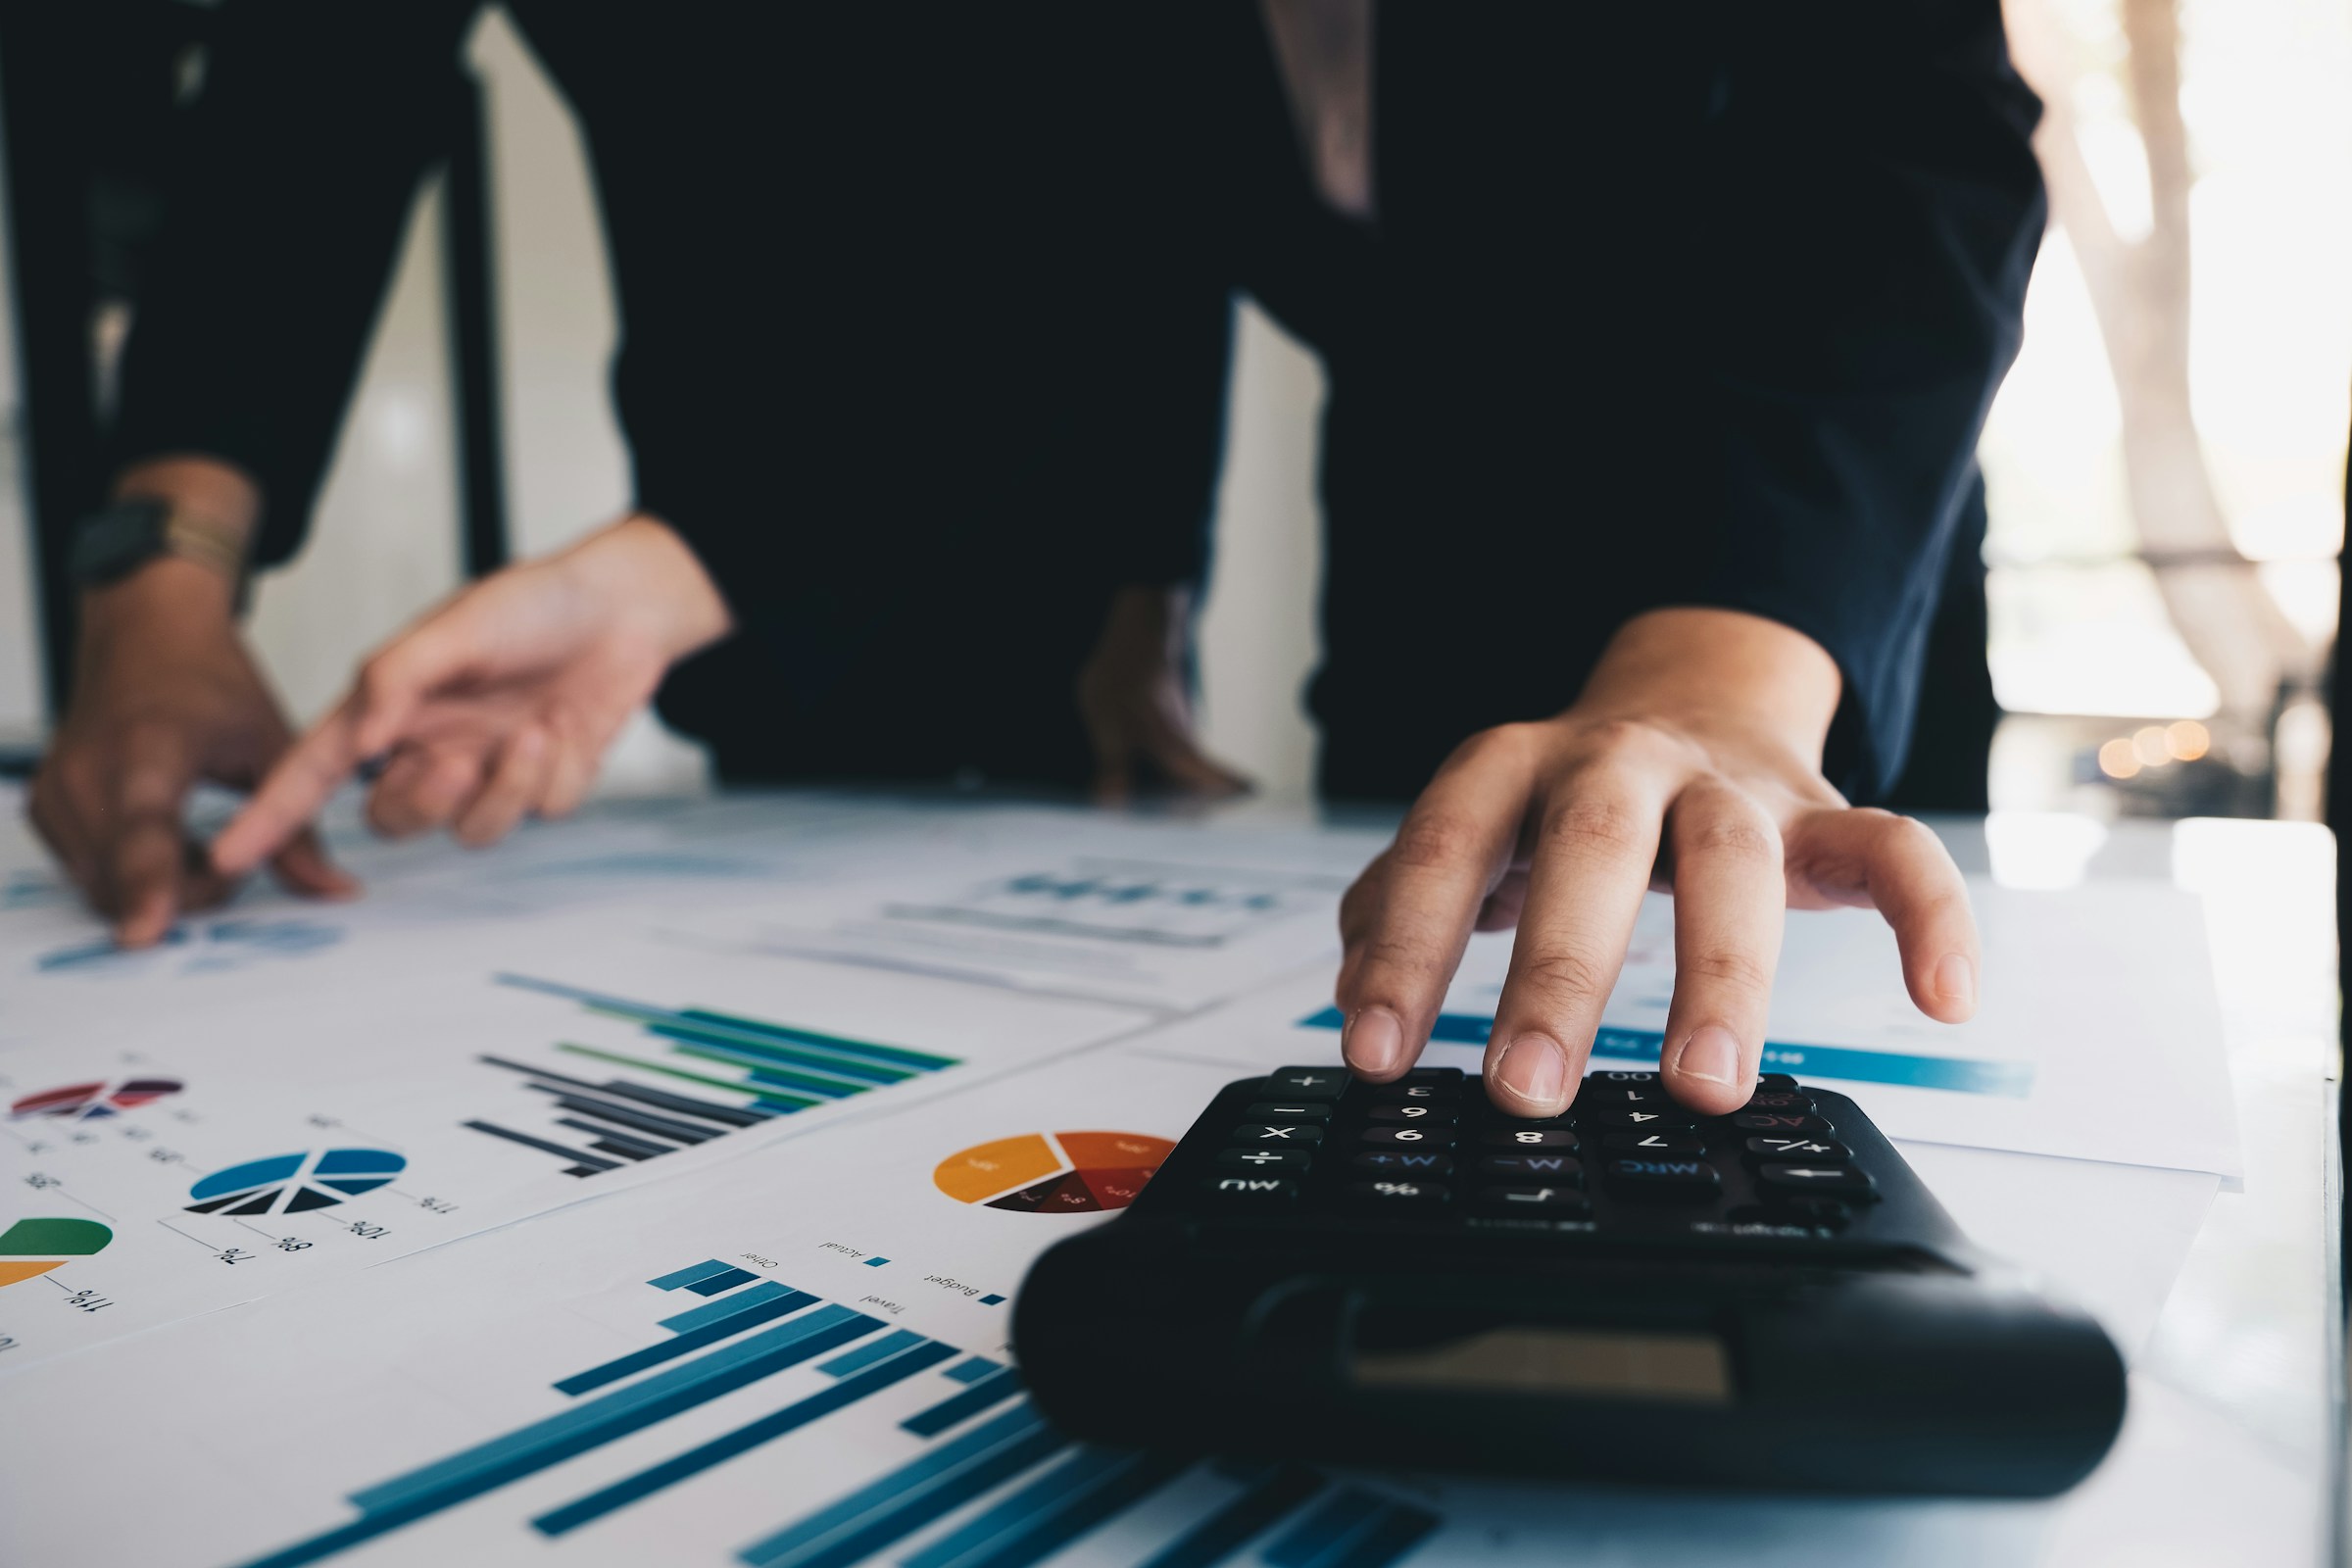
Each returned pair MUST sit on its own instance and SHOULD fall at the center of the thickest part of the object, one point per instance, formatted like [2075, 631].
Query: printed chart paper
[1167, 916]
[2097, 1035]
[794, 1357]
[308, 1108]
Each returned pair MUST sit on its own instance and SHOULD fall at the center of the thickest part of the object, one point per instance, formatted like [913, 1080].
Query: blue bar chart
[1965, 1075]
[998, 1486]
[694, 1076]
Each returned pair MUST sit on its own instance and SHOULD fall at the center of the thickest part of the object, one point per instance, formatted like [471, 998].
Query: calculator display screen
[1680, 1368]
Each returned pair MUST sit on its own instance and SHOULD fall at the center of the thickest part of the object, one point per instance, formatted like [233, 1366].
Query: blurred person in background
[1658, 344]
[921, 480]
[1657, 350]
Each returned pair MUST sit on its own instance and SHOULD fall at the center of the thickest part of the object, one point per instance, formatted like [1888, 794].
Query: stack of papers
[658, 1188]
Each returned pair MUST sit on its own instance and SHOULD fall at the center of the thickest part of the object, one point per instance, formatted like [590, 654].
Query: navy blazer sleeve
[295, 178]
[1875, 212]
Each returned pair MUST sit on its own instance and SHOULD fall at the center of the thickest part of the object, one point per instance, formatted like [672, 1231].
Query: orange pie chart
[1053, 1173]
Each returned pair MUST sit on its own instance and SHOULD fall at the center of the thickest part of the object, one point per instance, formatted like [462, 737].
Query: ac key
[1783, 1122]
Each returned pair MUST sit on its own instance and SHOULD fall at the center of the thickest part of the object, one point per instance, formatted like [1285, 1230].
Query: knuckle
[1391, 960]
[1905, 837]
[1630, 741]
[1436, 841]
[1883, 825]
[1564, 974]
[1727, 969]
[1515, 750]
[1592, 824]
[1741, 831]
[452, 771]
[381, 677]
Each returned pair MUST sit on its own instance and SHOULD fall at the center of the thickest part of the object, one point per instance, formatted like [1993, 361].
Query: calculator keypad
[1625, 1154]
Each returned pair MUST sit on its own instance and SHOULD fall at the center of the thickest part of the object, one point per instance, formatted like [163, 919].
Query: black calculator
[1402, 1275]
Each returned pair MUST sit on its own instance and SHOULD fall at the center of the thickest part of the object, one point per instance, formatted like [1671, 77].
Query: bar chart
[694, 1074]
[983, 1478]
[1048, 1491]
[1138, 902]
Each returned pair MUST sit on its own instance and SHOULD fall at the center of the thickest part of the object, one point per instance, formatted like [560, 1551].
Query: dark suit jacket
[925, 323]
[889, 361]
[1662, 304]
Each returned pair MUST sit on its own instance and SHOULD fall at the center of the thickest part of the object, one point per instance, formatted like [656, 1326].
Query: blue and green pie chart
[288, 1184]
[32, 1248]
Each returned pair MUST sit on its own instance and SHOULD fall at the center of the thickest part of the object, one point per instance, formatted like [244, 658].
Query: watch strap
[117, 540]
[207, 541]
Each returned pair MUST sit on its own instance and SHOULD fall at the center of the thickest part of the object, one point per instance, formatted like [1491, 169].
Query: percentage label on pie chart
[1053, 1173]
[32, 1248]
[289, 1184]
[88, 1102]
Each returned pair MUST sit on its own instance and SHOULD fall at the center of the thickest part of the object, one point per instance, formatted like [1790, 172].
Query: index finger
[312, 770]
[1409, 919]
[1595, 845]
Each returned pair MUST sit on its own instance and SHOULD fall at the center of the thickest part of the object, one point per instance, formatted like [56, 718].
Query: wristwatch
[118, 538]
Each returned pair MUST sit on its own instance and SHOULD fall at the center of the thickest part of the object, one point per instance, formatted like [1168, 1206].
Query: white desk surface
[2230, 1450]
[2229, 1454]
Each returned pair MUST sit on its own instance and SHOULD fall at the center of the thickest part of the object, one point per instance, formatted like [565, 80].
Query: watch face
[112, 542]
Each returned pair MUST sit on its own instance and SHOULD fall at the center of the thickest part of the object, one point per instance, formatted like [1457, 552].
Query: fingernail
[1374, 1041]
[1711, 1055]
[1956, 979]
[1534, 1069]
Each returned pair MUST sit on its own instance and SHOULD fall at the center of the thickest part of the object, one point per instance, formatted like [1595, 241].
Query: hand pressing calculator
[1402, 1275]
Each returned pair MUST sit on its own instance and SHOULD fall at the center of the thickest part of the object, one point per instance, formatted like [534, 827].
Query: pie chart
[33, 1246]
[1053, 1173]
[288, 1184]
[104, 1098]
